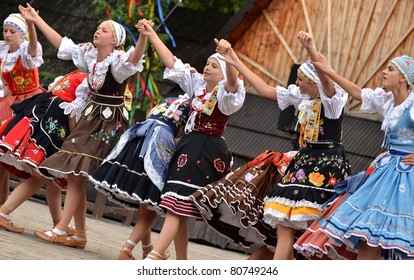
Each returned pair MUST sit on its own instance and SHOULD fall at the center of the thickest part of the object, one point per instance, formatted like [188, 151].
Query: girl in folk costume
[201, 156]
[36, 131]
[134, 173]
[103, 120]
[379, 214]
[19, 60]
[321, 161]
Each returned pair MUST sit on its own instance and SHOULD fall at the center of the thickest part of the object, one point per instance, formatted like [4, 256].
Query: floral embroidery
[311, 170]
[332, 181]
[182, 160]
[300, 174]
[406, 135]
[62, 86]
[53, 127]
[219, 164]
[321, 130]
[108, 137]
[160, 109]
[22, 82]
[316, 178]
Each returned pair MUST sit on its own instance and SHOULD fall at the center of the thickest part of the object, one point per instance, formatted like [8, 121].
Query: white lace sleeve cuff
[76, 107]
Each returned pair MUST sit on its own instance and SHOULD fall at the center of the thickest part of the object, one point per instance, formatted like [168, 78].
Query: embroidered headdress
[118, 32]
[18, 22]
[406, 66]
[307, 70]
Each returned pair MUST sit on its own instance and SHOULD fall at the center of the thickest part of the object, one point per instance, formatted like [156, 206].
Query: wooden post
[280, 36]
[375, 41]
[308, 23]
[387, 56]
[361, 38]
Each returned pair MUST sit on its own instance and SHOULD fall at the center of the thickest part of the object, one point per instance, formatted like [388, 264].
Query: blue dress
[381, 210]
[135, 171]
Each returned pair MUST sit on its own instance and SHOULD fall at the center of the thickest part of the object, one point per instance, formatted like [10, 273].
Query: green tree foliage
[221, 6]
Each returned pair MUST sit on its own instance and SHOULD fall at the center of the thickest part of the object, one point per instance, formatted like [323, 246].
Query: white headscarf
[119, 33]
[307, 70]
[221, 62]
[18, 22]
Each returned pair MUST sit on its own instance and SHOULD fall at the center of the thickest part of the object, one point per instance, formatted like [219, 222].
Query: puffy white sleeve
[184, 75]
[29, 61]
[334, 105]
[231, 102]
[376, 100]
[75, 108]
[121, 68]
[288, 96]
[68, 50]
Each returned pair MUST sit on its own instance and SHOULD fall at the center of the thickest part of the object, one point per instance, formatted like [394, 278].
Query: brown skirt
[87, 145]
[233, 206]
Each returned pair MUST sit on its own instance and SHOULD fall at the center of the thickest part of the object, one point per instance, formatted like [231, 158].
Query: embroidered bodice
[20, 80]
[65, 88]
[398, 123]
[26, 61]
[172, 111]
[210, 111]
[321, 117]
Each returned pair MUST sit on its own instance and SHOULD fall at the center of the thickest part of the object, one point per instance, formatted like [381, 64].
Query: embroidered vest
[65, 89]
[20, 80]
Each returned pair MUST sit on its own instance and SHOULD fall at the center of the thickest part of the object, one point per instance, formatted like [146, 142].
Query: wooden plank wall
[358, 37]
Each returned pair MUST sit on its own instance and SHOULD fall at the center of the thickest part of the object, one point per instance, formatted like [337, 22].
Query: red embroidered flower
[219, 164]
[182, 160]
[332, 181]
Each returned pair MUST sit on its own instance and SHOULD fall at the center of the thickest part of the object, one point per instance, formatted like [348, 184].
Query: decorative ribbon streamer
[127, 30]
[161, 15]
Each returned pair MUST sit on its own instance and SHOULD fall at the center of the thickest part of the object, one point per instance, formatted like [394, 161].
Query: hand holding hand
[145, 27]
[224, 48]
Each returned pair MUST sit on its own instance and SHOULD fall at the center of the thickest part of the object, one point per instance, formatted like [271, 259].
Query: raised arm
[32, 38]
[139, 48]
[32, 15]
[255, 81]
[231, 71]
[145, 28]
[351, 88]
[307, 41]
